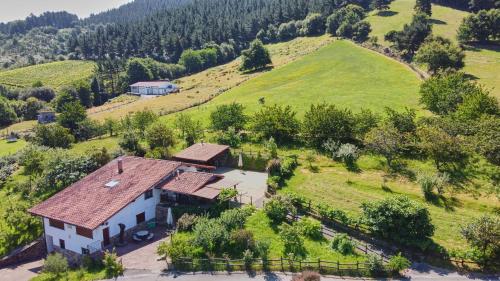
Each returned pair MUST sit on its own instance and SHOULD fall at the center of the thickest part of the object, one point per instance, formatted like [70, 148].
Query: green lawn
[345, 190]
[55, 74]
[110, 143]
[482, 62]
[7, 148]
[260, 225]
[341, 73]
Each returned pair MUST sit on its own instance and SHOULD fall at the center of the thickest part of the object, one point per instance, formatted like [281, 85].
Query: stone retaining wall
[30, 252]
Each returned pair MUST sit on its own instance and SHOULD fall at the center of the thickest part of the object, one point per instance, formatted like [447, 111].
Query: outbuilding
[153, 88]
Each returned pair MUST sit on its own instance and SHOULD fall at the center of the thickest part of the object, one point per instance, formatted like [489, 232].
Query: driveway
[252, 186]
[21, 272]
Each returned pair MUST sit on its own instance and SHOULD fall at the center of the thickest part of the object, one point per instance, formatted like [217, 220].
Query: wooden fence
[282, 264]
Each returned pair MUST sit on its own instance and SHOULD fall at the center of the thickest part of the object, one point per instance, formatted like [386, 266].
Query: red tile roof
[89, 203]
[202, 152]
[189, 182]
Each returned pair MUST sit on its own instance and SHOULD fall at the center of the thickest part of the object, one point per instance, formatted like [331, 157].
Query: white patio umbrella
[240, 161]
[170, 218]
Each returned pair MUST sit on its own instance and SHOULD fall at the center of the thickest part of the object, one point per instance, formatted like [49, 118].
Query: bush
[349, 153]
[113, 267]
[53, 135]
[292, 241]
[400, 219]
[228, 116]
[229, 137]
[333, 214]
[310, 228]
[179, 247]
[255, 57]
[375, 264]
[55, 264]
[343, 244]
[278, 122]
[288, 165]
[278, 208]
[398, 263]
[241, 240]
[235, 218]
[307, 276]
[210, 234]
[262, 249]
[248, 259]
[186, 222]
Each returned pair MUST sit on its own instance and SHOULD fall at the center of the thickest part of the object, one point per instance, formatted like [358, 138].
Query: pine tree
[424, 6]
[380, 4]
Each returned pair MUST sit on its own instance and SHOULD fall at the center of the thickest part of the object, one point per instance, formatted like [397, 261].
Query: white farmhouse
[153, 88]
[117, 199]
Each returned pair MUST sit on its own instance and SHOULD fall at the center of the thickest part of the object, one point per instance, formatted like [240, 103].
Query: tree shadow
[436, 21]
[477, 47]
[387, 13]
[439, 200]
[314, 169]
[263, 69]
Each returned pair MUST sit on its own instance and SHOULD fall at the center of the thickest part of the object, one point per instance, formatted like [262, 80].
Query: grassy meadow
[482, 62]
[55, 74]
[341, 73]
[7, 148]
[334, 185]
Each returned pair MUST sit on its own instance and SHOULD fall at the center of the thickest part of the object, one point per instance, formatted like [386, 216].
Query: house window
[56, 224]
[140, 218]
[62, 244]
[148, 194]
[85, 232]
[85, 251]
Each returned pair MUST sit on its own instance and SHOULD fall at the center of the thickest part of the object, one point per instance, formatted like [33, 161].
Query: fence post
[282, 268]
[366, 248]
[319, 265]
[357, 265]
[309, 208]
[192, 266]
[338, 266]
[300, 265]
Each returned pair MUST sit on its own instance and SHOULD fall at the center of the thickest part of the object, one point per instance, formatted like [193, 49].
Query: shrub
[279, 122]
[228, 116]
[186, 222]
[343, 244]
[292, 241]
[278, 208]
[229, 137]
[248, 259]
[242, 239]
[210, 234]
[53, 135]
[288, 165]
[112, 266]
[349, 153]
[310, 227]
[235, 218]
[400, 219]
[374, 264]
[307, 276]
[180, 247]
[398, 263]
[262, 249]
[273, 168]
[333, 214]
[55, 264]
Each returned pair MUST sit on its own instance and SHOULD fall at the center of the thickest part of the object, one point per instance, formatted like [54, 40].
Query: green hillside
[340, 73]
[482, 62]
[54, 75]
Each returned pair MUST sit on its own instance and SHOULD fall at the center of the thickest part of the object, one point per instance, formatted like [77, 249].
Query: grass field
[203, 86]
[339, 188]
[11, 148]
[483, 62]
[55, 74]
[341, 73]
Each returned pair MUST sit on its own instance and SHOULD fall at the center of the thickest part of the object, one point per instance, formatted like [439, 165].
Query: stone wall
[31, 252]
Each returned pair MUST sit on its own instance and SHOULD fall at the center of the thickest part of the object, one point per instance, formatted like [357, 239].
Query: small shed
[46, 116]
[153, 88]
[205, 154]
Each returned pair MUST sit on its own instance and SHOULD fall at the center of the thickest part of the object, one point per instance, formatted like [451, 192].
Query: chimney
[120, 165]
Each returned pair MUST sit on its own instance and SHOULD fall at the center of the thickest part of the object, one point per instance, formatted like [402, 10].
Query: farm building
[123, 196]
[205, 154]
[46, 116]
[153, 88]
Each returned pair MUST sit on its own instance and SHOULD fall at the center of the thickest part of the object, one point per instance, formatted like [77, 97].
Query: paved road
[420, 273]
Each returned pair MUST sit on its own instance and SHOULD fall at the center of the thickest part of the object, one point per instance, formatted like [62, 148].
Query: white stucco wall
[126, 216]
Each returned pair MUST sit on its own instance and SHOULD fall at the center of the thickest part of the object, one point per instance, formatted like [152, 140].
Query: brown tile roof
[189, 182]
[208, 193]
[202, 152]
[89, 203]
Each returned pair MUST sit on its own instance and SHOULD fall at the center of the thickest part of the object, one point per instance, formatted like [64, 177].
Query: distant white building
[153, 88]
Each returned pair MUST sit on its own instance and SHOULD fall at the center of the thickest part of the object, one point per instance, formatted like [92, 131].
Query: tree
[159, 135]
[380, 4]
[53, 135]
[324, 121]
[313, 24]
[84, 94]
[442, 94]
[400, 219]
[72, 114]
[111, 126]
[424, 6]
[360, 31]
[404, 121]
[408, 40]
[476, 105]
[484, 234]
[278, 122]
[481, 27]
[32, 159]
[228, 116]
[364, 121]
[67, 95]
[112, 266]
[255, 57]
[137, 71]
[33, 105]
[486, 139]
[341, 22]
[95, 89]
[440, 54]
[130, 142]
[7, 113]
[443, 148]
[56, 264]
[385, 140]
[143, 119]
[278, 207]
[191, 130]
[293, 242]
